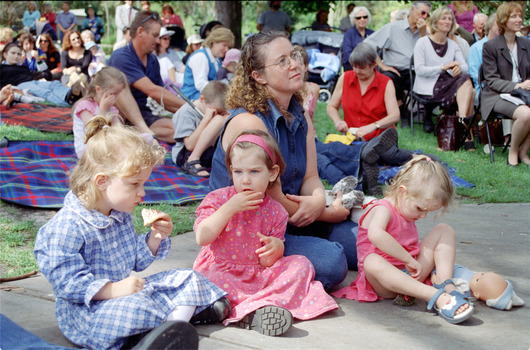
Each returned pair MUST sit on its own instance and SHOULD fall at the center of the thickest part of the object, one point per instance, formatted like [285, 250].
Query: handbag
[451, 132]
[522, 94]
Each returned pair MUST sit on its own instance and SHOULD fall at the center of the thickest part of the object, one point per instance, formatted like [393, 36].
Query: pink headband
[257, 140]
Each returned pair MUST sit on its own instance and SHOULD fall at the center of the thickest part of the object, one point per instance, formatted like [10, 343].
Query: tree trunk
[229, 14]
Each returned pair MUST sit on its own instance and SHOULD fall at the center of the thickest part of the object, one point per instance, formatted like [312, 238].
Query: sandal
[191, 169]
[447, 312]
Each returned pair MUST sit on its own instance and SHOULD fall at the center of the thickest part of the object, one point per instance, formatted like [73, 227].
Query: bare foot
[445, 298]
[6, 95]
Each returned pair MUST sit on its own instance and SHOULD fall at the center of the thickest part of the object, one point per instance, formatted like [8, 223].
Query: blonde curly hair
[115, 150]
[246, 92]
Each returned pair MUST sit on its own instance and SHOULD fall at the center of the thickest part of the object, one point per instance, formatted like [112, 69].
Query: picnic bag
[451, 132]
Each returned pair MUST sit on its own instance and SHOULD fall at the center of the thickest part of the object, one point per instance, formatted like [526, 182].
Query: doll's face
[487, 285]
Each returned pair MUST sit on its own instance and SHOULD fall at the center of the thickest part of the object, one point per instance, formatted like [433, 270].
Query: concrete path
[491, 237]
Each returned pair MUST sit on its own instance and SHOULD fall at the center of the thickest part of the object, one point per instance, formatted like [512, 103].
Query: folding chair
[416, 99]
[490, 118]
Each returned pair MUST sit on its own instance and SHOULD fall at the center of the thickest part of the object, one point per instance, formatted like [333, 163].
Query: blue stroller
[324, 51]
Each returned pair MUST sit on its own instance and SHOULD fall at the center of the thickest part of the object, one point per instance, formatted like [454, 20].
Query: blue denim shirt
[291, 137]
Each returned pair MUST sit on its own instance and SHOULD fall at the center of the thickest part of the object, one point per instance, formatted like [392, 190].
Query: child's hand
[35, 54]
[271, 251]
[107, 100]
[414, 268]
[243, 201]
[127, 286]
[209, 113]
[162, 227]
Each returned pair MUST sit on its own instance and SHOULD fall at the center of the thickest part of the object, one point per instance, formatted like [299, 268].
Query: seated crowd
[249, 127]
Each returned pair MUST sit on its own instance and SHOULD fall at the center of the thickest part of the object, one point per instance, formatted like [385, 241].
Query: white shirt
[200, 66]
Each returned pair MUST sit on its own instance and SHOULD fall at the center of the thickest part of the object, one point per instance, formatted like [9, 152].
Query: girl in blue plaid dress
[89, 249]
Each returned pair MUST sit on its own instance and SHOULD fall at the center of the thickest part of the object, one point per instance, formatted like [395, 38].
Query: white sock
[182, 313]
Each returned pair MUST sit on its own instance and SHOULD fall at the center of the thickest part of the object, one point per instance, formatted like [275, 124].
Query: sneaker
[379, 145]
[214, 313]
[170, 335]
[268, 320]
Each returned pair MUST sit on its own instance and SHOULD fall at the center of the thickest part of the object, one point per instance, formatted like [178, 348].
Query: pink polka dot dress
[232, 264]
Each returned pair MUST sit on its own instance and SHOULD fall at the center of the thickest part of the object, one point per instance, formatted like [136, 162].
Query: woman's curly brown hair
[244, 91]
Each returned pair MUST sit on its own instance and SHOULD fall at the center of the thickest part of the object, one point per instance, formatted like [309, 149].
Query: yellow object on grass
[345, 139]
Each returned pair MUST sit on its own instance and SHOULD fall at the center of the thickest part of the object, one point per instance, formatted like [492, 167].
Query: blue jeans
[13, 336]
[52, 91]
[336, 160]
[331, 248]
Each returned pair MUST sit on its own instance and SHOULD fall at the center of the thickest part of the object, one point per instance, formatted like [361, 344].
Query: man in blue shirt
[66, 20]
[137, 61]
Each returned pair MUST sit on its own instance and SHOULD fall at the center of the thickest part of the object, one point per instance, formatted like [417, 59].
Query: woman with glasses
[360, 17]
[266, 93]
[202, 66]
[174, 66]
[53, 57]
[75, 59]
[506, 67]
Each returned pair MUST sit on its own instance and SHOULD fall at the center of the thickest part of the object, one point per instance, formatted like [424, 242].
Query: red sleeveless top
[360, 110]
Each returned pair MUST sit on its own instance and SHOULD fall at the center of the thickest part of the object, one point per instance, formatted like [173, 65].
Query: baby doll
[487, 286]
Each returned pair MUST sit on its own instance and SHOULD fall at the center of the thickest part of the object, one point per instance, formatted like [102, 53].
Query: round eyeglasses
[285, 62]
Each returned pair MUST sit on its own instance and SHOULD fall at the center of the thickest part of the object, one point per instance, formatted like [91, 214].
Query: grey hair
[477, 15]
[356, 11]
[363, 55]
[417, 4]
[490, 22]
[401, 14]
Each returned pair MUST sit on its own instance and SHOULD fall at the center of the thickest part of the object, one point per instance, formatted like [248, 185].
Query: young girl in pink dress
[241, 231]
[391, 259]
[102, 94]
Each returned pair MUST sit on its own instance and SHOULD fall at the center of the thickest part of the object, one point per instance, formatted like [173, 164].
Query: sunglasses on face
[43, 41]
[362, 17]
[423, 13]
[153, 16]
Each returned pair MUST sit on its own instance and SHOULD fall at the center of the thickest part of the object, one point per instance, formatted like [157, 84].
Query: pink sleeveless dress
[405, 232]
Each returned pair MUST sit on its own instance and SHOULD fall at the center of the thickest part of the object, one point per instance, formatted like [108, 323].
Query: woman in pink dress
[241, 231]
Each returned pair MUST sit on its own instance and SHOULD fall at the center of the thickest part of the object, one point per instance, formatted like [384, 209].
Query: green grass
[494, 183]
[16, 245]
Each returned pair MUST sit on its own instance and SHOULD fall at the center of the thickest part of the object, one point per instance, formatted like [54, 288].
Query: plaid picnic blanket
[38, 116]
[386, 173]
[35, 174]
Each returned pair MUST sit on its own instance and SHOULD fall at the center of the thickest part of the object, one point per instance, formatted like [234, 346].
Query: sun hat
[232, 55]
[91, 7]
[89, 45]
[164, 31]
[194, 39]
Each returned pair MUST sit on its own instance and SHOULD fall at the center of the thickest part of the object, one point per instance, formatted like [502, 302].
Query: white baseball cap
[164, 31]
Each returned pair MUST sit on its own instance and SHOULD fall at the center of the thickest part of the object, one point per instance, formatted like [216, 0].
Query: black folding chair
[416, 99]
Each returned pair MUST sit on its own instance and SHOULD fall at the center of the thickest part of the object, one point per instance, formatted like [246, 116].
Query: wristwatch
[377, 126]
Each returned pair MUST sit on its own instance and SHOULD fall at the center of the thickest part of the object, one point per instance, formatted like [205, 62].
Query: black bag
[522, 94]
[451, 132]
